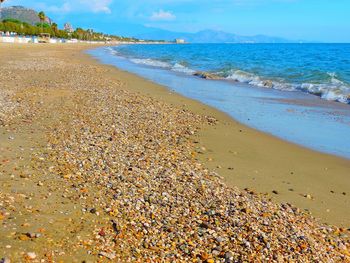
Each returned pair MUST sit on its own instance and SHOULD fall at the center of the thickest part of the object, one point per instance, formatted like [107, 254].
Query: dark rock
[115, 227]
[205, 75]
[204, 225]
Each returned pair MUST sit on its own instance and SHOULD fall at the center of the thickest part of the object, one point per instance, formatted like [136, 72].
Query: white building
[180, 41]
[68, 28]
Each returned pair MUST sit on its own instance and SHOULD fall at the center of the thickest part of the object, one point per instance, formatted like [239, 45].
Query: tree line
[22, 28]
[25, 29]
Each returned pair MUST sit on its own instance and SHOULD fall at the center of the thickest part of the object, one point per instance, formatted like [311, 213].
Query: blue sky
[312, 20]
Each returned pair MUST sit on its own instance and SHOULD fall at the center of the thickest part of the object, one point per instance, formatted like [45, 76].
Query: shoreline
[100, 163]
[267, 110]
[253, 155]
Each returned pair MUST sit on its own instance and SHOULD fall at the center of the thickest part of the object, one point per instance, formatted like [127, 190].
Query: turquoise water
[320, 69]
[296, 116]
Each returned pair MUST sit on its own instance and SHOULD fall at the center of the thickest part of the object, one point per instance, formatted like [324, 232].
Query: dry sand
[96, 162]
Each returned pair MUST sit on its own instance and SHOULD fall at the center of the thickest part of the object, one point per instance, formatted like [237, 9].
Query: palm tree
[1, 1]
[42, 18]
[54, 27]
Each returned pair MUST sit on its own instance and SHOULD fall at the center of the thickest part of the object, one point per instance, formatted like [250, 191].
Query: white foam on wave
[151, 62]
[160, 64]
[336, 90]
[112, 51]
[251, 79]
[180, 68]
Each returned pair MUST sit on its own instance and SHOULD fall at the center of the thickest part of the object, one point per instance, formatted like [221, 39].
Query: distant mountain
[208, 36]
[21, 13]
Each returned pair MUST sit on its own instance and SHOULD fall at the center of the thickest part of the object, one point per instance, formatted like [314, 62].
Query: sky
[310, 20]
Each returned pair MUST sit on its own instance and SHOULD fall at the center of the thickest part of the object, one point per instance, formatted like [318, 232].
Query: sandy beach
[99, 164]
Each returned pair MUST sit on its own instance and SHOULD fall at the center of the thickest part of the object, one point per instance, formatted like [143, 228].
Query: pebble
[108, 255]
[31, 255]
[132, 158]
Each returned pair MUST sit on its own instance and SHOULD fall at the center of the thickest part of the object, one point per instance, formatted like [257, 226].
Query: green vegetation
[38, 23]
[22, 28]
[42, 18]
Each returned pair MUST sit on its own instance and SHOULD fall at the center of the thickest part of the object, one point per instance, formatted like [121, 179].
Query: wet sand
[99, 163]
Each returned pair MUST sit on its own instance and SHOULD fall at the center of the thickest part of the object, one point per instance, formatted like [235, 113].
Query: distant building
[68, 28]
[180, 41]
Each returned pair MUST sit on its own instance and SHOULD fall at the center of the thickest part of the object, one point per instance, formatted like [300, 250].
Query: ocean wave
[251, 79]
[332, 92]
[180, 68]
[335, 90]
[151, 62]
[112, 51]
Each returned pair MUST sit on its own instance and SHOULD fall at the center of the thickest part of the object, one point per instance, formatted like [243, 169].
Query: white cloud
[162, 15]
[95, 6]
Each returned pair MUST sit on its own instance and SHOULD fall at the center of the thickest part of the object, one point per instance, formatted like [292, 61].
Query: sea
[297, 92]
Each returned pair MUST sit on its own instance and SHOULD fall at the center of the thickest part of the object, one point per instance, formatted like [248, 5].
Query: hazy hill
[21, 13]
[208, 36]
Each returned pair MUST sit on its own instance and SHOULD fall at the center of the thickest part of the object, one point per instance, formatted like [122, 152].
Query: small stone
[31, 255]
[245, 210]
[93, 210]
[23, 237]
[204, 225]
[107, 255]
[31, 235]
[219, 239]
[102, 233]
[228, 257]
[204, 256]
[5, 260]
[275, 192]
